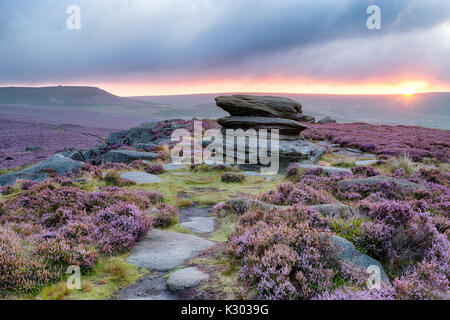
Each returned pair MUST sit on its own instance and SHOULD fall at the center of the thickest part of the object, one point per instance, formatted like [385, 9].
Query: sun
[409, 92]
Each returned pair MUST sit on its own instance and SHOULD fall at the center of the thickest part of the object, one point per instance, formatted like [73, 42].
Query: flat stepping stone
[199, 224]
[174, 166]
[186, 278]
[325, 169]
[140, 177]
[164, 250]
[366, 162]
[181, 173]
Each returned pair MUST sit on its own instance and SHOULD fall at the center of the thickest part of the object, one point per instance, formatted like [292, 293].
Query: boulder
[305, 118]
[347, 252]
[285, 126]
[260, 106]
[300, 151]
[376, 180]
[336, 211]
[186, 278]
[128, 156]
[117, 137]
[326, 120]
[58, 163]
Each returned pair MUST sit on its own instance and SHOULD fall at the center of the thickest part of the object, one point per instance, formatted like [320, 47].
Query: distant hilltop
[62, 96]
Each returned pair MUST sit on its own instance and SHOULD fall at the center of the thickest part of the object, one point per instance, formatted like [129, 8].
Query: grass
[109, 275]
[206, 188]
[344, 164]
[403, 162]
[227, 227]
[178, 228]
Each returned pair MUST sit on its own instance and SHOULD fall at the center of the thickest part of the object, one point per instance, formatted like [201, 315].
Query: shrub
[300, 193]
[155, 168]
[365, 171]
[287, 254]
[230, 177]
[49, 226]
[113, 178]
[165, 216]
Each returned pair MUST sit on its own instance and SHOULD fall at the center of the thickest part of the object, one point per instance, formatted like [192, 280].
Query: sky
[157, 47]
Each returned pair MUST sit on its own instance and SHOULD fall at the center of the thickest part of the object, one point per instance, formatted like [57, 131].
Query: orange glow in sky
[268, 85]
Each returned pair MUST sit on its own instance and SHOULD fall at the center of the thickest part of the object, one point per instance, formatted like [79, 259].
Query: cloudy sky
[145, 47]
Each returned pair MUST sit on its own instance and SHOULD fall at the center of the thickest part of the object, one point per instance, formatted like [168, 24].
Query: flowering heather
[300, 193]
[287, 254]
[51, 226]
[385, 140]
[155, 168]
[165, 216]
[365, 171]
[24, 143]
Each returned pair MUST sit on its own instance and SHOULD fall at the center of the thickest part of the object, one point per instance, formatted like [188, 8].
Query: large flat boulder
[164, 250]
[128, 156]
[300, 151]
[285, 126]
[377, 180]
[57, 163]
[260, 106]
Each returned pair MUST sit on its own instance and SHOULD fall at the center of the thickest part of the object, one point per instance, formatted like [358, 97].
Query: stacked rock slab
[270, 112]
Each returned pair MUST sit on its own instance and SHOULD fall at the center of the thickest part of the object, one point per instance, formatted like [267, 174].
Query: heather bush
[50, 226]
[365, 171]
[155, 168]
[287, 254]
[165, 216]
[210, 168]
[300, 193]
[113, 178]
[231, 177]
[384, 140]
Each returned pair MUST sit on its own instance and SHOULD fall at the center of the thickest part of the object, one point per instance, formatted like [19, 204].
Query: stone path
[162, 252]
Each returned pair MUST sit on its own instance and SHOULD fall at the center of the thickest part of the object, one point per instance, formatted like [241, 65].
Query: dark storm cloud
[183, 38]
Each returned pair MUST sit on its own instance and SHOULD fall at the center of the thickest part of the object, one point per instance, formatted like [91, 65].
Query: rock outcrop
[326, 120]
[268, 112]
[58, 164]
[128, 156]
[377, 180]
